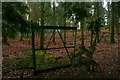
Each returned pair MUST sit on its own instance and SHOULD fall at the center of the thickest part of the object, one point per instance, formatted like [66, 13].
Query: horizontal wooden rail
[57, 27]
[56, 48]
[53, 69]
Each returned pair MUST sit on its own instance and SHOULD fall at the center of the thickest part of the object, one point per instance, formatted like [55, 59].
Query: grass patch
[44, 61]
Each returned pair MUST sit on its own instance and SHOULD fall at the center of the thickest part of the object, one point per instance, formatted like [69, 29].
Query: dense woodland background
[96, 47]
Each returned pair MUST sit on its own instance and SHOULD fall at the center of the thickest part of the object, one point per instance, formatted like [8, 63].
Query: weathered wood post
[33, 49]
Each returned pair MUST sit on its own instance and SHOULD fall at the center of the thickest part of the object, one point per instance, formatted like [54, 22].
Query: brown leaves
[106, 54]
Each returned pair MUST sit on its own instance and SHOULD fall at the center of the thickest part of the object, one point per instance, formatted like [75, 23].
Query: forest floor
[106, 54]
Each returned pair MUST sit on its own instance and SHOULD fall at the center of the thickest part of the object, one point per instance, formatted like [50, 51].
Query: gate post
[33, 49]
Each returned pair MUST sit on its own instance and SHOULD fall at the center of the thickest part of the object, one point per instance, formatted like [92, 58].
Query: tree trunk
[108, 16]
[113, 24]
[42, 24]
[98, 15]
[82, 32]
[41, 39]
[65, 24]
[91, 39]
[21, 37]
[4, 41]
[53, 39]
[117, 17]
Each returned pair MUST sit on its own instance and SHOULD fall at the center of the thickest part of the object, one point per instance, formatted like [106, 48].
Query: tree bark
[53, 39]
[4, 41]
[42, 24]
[82, 32]
[113, 24]
[65, 24]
